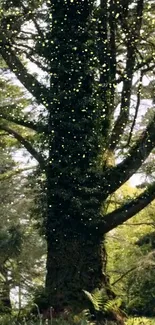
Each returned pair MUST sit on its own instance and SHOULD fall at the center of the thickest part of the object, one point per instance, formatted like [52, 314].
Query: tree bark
[74, 264]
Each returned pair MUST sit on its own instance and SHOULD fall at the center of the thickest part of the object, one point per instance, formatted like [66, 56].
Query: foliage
[130, 264]
[21, 248]
[140, 321]
[100, 302]
[15, 320]
[104, 307]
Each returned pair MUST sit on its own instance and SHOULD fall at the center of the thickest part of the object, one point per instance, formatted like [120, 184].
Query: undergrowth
[14, 320]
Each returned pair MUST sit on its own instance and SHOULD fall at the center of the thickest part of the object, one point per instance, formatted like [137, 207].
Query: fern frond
[113, 305]
[98, 298]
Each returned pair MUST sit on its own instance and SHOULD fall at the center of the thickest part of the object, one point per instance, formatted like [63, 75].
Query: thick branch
[39, 91]
[112, 26]
[122, 120]
[132, 38]
[26, 144]
[118, 175]
[127, 211]
[136, 109]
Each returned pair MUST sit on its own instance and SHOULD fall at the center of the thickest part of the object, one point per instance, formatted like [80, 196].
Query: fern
[101, 302]
[103, 305]
[113, 305]
[98, 298]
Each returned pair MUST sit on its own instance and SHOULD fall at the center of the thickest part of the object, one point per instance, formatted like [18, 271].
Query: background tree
[22, 250]
[85, 52]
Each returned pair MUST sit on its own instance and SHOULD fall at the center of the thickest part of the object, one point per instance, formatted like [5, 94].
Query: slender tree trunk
[19, 297]
[5, 298]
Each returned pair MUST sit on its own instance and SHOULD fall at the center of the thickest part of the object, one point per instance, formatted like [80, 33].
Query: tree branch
[139, 265]
[125, 274]
[27, 145]
[127, 211]
[39, 91]
[122, 120]
[136, 109]
[118, 175]
[132, 39]
[139, 66]
[112, 50]
[40, 33]
[12, 173]
[30, 53]
[37, 127]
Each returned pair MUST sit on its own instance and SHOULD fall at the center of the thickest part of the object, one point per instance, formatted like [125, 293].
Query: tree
[21, 247]
[85, 51]
[10, 237]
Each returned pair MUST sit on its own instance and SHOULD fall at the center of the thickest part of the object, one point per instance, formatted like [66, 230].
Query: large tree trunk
[74, 264]
[76, 257]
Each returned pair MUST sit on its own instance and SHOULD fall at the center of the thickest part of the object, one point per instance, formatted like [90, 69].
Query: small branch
[18, 46]
[124, 275]
[130, 270]
[138, 67]
[40, 33]
[35, 61]
[14, 172]
[28, 33]
[34, 21]
[27, 146]
[148, 68]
